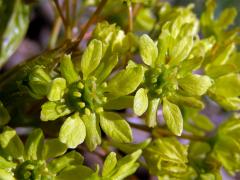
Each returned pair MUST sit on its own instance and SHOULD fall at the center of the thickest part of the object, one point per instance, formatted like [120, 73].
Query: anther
[80, 85]
[99, 110]
[154, 80]
[77, 94]
[104, 99]
[87, 111]
[81, 104]
[104, 85]
[158, 91]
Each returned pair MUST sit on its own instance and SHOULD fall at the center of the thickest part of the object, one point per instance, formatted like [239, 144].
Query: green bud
[39, 81]
[77, 94]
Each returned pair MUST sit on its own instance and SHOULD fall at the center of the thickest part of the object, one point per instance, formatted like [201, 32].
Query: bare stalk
[130, 17]
[60, 12]
[91, 20]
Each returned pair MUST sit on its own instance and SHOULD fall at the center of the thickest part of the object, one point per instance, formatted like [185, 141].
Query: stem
[130, 17]
[68, 20]
[55, 32]
[91, 20]
[60, 13]
[136, 9]
[159, 132]
[141, 127]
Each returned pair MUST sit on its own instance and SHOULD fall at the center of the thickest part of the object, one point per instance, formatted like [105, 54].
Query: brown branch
[91, 20]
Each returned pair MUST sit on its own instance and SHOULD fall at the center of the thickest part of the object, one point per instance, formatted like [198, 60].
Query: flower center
[86, 96]
[161, 81]
[32, 169]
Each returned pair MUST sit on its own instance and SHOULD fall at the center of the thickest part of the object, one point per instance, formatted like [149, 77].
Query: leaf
[53, 148]
[198, 151]
[173, 117]
[231, 81]
[194, 84]
[203, 122]
[93, 132]
[151, 119]
[34, 145]
[53, 110]
[14, 23]
[202, 47]
[115, 127]
[57, 89]
[145, 20]
[4, 116]
[109, 164]
[181, 50]
[112, 37]
[221, 70]
[226, 149]
[11, 143]
[105, 68]
[126, 166]
[226, 18]
[230, 103]
[170, 156]
[75, 173]
[186, 101]
[91, 57]
[148, 50]
[223, 57]
[227, 145]
[140, 102]
[209, 176]
[73, 131]
[70, 158]
[165, 42]
[190, 65]
[129, 147]
[119, 103]
[231, 127]
[67, 69]
[126, 81]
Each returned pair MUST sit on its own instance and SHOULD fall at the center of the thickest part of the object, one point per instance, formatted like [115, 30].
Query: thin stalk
[68, 20]
[136, 9]
[141, 127]
[91, 20]
[55, 32]
[60, 13]
[130, 18]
